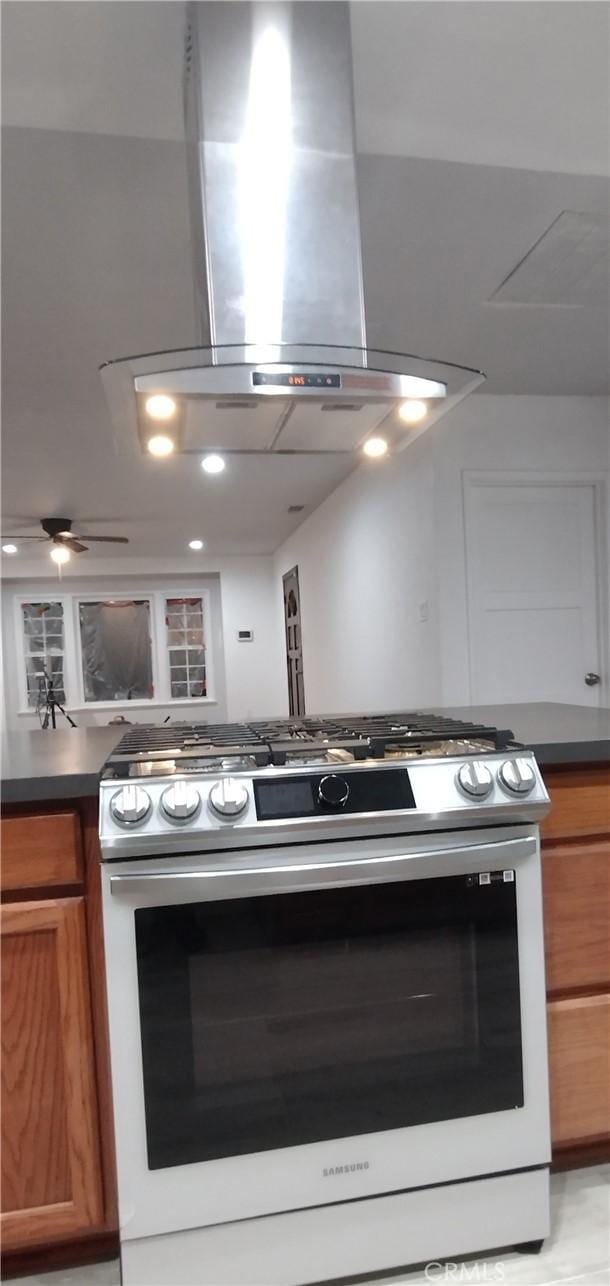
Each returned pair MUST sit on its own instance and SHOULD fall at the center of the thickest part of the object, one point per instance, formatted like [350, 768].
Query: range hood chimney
[277, 262]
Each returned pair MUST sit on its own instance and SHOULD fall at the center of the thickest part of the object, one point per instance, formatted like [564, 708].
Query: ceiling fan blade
[107, 540]
[20, 537]
[72, 543]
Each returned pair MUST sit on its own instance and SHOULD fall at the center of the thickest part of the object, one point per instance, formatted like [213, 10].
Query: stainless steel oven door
[294, 1027]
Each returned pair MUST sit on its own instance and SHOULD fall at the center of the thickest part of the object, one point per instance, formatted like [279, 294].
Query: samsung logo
[345, 1169]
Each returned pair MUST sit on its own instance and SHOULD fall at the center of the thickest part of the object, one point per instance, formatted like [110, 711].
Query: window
[105, 649]
[116, 650]
[43, 631]
[186, 647]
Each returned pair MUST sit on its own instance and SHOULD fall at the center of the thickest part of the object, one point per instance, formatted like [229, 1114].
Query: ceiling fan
[59, 532]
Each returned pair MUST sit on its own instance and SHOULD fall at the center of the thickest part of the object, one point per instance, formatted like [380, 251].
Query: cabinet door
[579, 1048]
[40, 851]
[577, 915]
[51, 1183]
[580, 802]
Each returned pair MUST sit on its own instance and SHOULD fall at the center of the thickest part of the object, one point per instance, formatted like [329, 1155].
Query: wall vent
[236, 404]
[352, 407]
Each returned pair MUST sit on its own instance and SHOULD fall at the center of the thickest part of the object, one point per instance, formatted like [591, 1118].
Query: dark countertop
[66, 764]
[61, 764]
[558, 734]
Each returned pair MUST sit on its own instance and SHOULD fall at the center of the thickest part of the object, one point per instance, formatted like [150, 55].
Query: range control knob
[228, 797]
[517, 776]
[333, 791]
[475, 780]
[180, 802]
[130, 806]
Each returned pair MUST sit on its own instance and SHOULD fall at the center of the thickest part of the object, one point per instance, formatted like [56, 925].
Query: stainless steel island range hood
[283, 364]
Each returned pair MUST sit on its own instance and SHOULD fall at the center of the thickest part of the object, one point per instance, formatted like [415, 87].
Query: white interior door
[532, 592]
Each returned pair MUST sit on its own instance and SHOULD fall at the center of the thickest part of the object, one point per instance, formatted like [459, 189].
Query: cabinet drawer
[580, 802]
[577, 915]
[41, 849]
[579, 1047]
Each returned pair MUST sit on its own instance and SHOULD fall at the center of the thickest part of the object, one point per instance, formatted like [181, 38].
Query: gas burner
[306, 757]
[437, 749]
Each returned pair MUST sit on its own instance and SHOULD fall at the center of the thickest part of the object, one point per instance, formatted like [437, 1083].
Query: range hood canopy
[283, 364]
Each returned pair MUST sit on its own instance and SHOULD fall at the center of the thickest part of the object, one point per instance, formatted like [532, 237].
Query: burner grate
[274, 741]
[190, 740]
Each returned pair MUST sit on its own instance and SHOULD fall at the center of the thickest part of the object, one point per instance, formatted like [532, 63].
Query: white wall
[249, 678]
[386, 541]
[256, 672]
[366, 562]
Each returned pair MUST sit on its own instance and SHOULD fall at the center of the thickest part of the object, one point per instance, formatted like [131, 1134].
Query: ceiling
[478, 124]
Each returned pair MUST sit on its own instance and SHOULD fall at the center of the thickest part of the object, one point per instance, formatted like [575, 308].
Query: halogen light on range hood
[277, 256]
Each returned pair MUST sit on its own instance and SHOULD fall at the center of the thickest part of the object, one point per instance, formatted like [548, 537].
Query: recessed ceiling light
[60, 554]
[196, 544]
[9, 549]
[213, 463]
[413, 411]
[160, 407]
[160, 445]
[375, 447]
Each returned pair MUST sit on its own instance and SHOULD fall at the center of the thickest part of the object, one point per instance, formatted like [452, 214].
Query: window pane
[197, 688]
[196, 656]
[44, 639]
[186, 647]
[38, 685]
[116, 650]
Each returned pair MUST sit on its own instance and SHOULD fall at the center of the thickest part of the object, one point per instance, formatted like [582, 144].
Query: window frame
[22, 651]
[74, 685]
[168, 647]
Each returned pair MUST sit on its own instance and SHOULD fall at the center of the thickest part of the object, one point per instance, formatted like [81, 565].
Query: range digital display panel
[358, 792]
[288, 798]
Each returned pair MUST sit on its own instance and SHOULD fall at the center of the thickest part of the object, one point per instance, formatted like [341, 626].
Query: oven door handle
[295, 876]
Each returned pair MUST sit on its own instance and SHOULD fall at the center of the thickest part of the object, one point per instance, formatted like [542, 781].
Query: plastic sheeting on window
[116, 650]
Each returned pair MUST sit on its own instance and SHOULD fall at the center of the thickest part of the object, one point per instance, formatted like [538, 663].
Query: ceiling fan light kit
[58, 533]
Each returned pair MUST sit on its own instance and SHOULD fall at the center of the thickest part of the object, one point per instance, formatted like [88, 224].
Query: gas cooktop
[176, 788]
[150, 749]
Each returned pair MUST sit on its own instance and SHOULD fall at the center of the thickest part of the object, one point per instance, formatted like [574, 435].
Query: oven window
[280, 1020]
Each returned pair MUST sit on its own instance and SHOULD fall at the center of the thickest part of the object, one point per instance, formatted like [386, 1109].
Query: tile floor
[576, 1254]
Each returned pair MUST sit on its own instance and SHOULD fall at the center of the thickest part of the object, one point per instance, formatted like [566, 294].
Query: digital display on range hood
[298, 379]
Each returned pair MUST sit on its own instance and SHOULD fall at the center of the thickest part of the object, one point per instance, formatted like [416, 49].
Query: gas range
[325, 971]
[176, 787]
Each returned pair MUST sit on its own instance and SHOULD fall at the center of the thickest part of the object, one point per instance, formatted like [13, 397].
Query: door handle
[173, 887]
[592, 679]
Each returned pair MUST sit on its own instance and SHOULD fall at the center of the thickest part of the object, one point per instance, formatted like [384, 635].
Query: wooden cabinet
[57, 1156]
[51, 1173]
[577, 911]
[579, 1044]
[576, 875]
[581, 802]
[40, 850]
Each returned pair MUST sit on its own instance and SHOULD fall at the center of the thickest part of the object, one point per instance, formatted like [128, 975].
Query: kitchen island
[66, 764]
[59, 1180]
